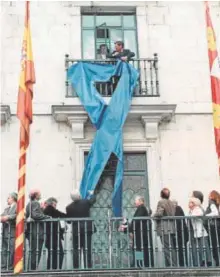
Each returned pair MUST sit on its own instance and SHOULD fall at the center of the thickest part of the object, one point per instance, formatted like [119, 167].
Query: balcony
[147, 86]
[53, 246]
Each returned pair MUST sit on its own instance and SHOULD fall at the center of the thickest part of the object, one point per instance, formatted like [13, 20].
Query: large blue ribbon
[108, 119]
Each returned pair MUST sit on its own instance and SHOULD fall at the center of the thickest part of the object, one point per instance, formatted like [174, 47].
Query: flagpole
[19, 235]
[24, 114]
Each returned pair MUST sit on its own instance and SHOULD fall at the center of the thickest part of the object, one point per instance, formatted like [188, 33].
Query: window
[100, 31]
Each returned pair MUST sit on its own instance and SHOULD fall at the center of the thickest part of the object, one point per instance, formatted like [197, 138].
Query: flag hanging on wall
[24, 114]
[214, 63]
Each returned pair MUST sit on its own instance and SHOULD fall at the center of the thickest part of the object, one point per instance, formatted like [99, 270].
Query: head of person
[119, 46]
[12, 198]
[103, 49]
[51, 202]
[165, 193]
[215, 196]
[194, 202]
[35, 194]
[139, 200]
[75, 195]
[198, 194]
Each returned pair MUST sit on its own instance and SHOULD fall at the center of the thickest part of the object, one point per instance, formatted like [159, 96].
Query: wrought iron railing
[106, 243]
[147, 86]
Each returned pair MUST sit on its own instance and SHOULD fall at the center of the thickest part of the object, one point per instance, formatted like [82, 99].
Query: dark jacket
[125, 53]
[80, 209]
[53, 228]
[182, 229]
[141, 228]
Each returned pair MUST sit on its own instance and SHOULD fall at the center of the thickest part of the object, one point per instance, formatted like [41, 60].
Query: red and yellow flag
[24, 113]
[214, 63]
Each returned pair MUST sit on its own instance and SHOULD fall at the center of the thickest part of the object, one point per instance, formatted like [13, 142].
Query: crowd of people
[191, 241]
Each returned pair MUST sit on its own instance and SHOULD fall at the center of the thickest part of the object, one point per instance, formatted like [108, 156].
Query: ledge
[5, 113]
[150, 116]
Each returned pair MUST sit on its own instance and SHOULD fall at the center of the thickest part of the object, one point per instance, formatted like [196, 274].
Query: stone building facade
[168, 138]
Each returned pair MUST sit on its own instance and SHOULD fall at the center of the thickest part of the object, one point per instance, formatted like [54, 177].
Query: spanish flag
[214, 64]
[24, 113]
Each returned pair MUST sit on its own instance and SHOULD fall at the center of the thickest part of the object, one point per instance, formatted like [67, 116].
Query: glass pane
[134, 161]
[88, 21]
[108, 20]
[115, 35]
[88, 44]
[130, 41]
[129, 21]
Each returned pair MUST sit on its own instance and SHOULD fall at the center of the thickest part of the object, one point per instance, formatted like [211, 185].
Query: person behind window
[8, 232]
[120, 52]
[102, 52]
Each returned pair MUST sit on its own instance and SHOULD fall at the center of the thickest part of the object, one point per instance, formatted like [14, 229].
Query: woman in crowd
[213, 225]
[198, 235]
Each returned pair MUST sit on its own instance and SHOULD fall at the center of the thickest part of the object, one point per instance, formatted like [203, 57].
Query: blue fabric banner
[108, 119]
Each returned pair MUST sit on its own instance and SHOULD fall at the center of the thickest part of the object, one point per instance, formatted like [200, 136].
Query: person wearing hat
[8, 218]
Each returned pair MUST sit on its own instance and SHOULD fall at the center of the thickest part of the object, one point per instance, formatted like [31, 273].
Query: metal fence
[79, 244]
[147, 86]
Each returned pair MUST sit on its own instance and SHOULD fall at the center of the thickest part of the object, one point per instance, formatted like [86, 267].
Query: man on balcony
[8, 232]
[166, 227]
[82, 230]
[120, 52]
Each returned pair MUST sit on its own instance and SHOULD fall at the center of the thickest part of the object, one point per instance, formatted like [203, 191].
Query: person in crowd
[82, 230]
[141, 230]
[213, 225]
[35, 228]
[198, 194]
[198, 235]
[182, 235]
[166, 227]
[120, 52]
[54, 235]
[8, 218]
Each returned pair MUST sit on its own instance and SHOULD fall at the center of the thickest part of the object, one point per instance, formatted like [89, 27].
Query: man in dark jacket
[182, 235]
[120, 52]
[82, 230]
[141, 230]
[35, 228]
[54, 235]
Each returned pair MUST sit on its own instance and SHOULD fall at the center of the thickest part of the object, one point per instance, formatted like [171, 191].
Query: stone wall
[184, 156]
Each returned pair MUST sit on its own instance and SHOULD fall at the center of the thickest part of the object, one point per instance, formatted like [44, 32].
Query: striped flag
[214, 63]
[24, 113]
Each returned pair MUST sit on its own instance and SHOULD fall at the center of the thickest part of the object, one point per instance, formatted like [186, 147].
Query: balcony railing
[102, 243]
[147, 86]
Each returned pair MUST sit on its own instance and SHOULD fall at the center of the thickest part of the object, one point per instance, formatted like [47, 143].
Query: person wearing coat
[198, 235]
[35, 228]
[141, 230]
[82, 230]
[54, 235]
[8, 232]
[182, 235]
[166, 227]
[213, 225]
